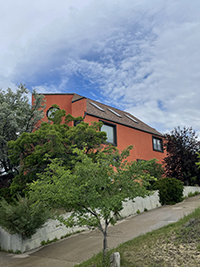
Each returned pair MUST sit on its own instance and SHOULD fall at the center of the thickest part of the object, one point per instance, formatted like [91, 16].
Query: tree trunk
[105, 245]
[104, 232]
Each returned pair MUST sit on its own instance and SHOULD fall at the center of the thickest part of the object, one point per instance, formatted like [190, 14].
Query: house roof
[114, 115]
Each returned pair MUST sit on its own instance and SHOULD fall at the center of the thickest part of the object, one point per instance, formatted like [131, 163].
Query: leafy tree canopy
[182, 146]
[94, 191]
[33, 151]
[16, 116]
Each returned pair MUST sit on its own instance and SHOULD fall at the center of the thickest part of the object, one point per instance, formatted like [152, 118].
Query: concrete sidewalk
[80, 247]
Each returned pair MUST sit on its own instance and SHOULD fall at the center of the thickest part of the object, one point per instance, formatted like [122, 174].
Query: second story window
[110, 130]
[51, 111]
[157, 144]
[76, 122]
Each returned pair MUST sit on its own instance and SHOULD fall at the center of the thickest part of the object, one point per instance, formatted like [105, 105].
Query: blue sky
[140, 56]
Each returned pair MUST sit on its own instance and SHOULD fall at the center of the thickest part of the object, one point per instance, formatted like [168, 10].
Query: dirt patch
[177, 248]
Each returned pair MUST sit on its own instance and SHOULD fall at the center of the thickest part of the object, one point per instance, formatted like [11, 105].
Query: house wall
[142, 141]
[62, 100]
[79, 108]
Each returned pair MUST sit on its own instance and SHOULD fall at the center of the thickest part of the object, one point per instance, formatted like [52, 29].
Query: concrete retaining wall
[52, 229]
[190, 189]
[140, 204]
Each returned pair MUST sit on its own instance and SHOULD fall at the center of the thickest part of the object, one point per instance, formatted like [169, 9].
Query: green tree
[182, 146]
[93, 191]
[33, 151]
[16, 116]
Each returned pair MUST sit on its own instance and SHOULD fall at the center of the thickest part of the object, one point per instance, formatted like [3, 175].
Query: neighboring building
[122, 128]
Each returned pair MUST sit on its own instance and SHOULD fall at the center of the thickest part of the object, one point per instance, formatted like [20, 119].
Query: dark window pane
[157, 144]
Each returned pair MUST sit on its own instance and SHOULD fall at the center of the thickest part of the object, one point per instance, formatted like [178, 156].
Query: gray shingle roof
[106, 112]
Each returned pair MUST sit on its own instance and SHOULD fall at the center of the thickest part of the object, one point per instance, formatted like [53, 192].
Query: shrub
[170, 190]
[5, 193]
[193, 194]
[43, 242]
[22, 216]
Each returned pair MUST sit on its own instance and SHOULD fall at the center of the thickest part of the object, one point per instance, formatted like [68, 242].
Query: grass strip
[176, 244]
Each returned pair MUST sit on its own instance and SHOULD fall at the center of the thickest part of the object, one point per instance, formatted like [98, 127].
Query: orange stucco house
[122, 128]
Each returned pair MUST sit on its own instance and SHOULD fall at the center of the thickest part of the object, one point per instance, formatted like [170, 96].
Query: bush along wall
[170, 190]
[22, 216]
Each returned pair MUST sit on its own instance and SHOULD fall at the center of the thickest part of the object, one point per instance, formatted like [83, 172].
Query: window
[131, 118]
[110, 130]
[157, 144]
[51, 112]
[76, 122]
[114, 112]
[95, 105]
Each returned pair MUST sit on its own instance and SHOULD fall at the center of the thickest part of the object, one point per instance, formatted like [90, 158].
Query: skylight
[114, 112]
[131, 118]
[95, 105]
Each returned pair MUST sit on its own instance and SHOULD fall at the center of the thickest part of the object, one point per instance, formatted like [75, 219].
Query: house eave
[117, 122]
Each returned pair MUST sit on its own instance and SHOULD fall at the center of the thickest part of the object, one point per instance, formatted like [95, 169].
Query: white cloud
[142, 56]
